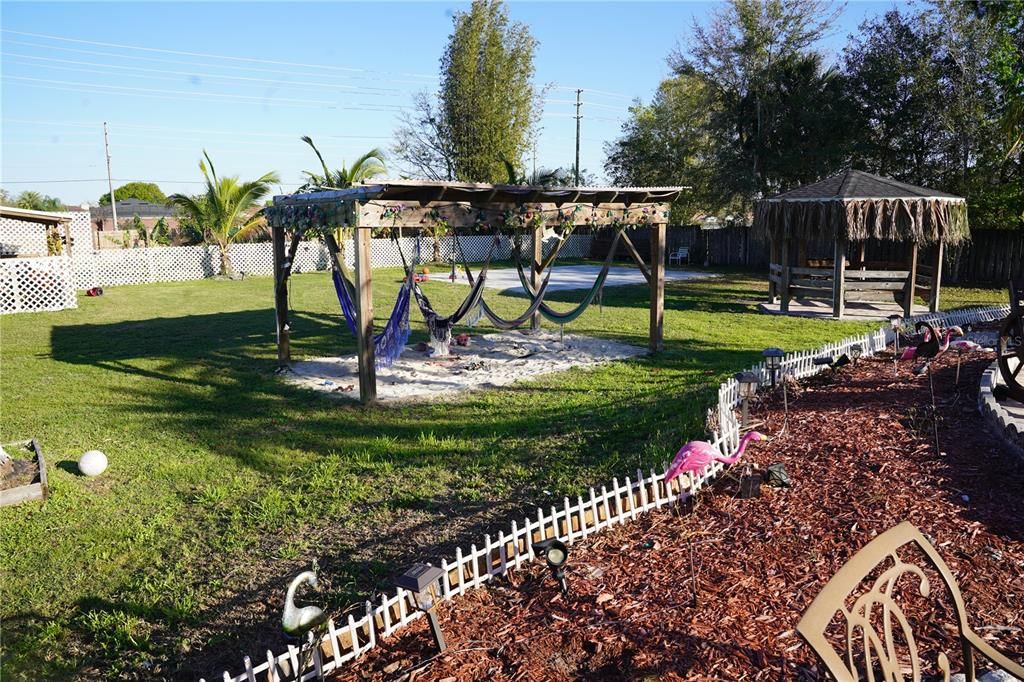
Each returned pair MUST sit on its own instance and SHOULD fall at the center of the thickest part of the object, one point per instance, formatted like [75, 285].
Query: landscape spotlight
[421, 581]
[556, 553]
[748, 389]
[856, 350]
[773, 361]
[895, 321]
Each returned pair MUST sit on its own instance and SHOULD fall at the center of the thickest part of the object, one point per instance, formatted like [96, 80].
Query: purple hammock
[390, 343]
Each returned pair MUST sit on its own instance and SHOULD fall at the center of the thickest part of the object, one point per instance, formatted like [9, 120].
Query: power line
[208, 55]
[256, 69]
[379, 92]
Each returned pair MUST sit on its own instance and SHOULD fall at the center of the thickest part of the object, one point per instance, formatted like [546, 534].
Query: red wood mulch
[860, 450]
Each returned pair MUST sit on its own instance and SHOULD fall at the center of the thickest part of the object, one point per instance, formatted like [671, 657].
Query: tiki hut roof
[855, 206]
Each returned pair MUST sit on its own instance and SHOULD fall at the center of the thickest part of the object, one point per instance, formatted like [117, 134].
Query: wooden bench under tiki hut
[886, 241]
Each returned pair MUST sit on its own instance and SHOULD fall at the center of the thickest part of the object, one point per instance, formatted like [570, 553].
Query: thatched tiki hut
[850, 210]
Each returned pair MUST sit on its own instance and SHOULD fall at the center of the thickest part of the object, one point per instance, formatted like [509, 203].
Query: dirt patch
[715, 593]
[23, 472]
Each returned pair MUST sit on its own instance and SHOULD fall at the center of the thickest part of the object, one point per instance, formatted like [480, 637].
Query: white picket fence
[109, 267]
[569, 521]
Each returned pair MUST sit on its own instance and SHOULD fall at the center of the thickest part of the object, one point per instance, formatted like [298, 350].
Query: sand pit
[489, 361]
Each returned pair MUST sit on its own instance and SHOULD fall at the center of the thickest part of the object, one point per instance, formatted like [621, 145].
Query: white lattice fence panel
[178, 263]
[36, 284]
[253, 259]
[81, 232]
[22, 238]
[310, 257]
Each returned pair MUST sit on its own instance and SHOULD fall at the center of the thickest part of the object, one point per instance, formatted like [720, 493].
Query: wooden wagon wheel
[1011, 354]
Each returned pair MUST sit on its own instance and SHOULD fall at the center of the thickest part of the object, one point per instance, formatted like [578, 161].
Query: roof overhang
[30, 216]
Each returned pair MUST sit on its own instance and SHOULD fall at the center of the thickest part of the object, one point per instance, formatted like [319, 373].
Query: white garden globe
[92, 463]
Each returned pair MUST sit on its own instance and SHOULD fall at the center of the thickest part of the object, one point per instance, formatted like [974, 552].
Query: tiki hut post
[933, 302]
[909, 290]
[364, 313]
[801, 253]
[657, 328]
[784, 282]
[862, 256]
[773, 259]
[839, 279]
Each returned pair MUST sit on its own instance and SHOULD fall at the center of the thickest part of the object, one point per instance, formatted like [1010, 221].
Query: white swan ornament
[298, 621]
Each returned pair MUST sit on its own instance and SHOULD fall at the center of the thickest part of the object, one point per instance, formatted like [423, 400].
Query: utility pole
[110, 182]
[578, 117]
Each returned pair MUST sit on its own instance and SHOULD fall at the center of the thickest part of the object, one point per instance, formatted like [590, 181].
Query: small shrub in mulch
[716, 592]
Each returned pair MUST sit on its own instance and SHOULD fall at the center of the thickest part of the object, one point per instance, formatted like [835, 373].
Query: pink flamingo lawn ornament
[930, 347]
[962, 346]
[693, 457]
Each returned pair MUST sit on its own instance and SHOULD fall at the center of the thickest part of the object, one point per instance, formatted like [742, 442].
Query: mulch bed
[716, 592]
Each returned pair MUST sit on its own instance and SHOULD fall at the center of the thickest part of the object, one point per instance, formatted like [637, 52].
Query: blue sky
[244, 81]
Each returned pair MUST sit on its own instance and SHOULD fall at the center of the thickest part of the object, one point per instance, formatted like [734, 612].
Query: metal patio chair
[872, 649]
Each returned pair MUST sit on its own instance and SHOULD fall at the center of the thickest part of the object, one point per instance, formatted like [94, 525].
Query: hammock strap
[567, 317]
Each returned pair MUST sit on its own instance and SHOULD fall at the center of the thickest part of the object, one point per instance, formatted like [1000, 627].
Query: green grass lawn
[224, 480]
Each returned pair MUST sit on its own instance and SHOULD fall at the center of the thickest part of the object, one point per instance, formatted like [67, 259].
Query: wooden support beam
[784, 285]
[538, 259]
[773, 260]
[284, 352]
[862, 255]
[364, 317]
[801, 253]
[908, 293]
[839, 281]
[657, 281]
[631, 248]
[933, 300]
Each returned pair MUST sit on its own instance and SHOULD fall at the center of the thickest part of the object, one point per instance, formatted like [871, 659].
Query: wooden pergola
[848, 209]
[412, 204]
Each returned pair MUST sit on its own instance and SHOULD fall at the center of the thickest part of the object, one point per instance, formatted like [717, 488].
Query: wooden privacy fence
[991, 256]
[570, 521]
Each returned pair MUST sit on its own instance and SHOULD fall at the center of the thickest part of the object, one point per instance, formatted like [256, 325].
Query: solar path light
[556, 554]
[773, 361]
[895, 321]
[421, 581]
[748, 389]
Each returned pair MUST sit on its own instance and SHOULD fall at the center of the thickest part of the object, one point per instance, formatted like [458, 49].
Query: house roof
[855, 184]
[30, 216]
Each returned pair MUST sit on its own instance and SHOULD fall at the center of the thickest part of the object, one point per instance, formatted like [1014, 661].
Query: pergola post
[933, 303]
[784, 275]
[538, 258]
[801, 253]
[364, 316]
[839, 280]
[284, 352]
[657, 331]
[908, 291]
[773, 259]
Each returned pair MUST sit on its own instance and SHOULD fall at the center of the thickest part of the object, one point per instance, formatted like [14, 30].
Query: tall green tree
[365, 167]
[487, 106]
[668, 142]
[143, 191]
[227, 210]
[741, 55]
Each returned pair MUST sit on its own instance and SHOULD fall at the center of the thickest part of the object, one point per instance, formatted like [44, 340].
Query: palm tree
[365, 167]
[225, 210]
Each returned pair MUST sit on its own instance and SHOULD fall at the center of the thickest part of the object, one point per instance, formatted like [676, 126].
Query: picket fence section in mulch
[572, 520]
